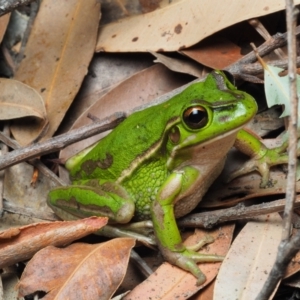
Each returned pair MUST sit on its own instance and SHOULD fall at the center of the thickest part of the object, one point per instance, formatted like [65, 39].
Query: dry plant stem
[35, 162]
[7, 6]
[277, 40]
[60, 141]
[293, 134]
[4, 150]
[260, 28]
[285, 250]
[140, 263]
[210, 219]
[257, 69]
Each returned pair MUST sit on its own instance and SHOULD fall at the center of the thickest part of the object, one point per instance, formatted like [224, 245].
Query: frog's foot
[262, 164]
[188, 259]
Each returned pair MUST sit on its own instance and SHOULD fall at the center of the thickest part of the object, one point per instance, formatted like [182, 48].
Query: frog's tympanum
[160, 161]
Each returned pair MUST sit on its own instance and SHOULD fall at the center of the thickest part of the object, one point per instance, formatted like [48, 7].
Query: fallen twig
[58, 142]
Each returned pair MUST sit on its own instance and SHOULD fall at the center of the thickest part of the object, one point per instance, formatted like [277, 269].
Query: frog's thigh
[83, 201]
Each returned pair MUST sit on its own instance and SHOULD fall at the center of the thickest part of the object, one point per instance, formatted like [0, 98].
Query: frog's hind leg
[108, 200]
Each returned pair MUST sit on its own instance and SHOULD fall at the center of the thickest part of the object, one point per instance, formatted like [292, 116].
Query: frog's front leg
[166, 230]
[261, 157]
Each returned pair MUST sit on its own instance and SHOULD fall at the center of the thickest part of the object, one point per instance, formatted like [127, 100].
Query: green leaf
[277, 89]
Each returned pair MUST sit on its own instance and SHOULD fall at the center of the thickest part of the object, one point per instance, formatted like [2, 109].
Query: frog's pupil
[196, 116]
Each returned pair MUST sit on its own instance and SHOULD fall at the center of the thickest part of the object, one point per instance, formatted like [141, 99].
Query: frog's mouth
[197, 154]
[189, 141]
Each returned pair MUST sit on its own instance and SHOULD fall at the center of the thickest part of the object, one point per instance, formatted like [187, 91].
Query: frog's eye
[195, 117]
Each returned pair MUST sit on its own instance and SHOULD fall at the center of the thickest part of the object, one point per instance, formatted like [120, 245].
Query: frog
[160, 161]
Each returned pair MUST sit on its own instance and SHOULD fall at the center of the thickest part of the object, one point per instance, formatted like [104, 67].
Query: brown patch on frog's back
[90, 165]
[106, 162]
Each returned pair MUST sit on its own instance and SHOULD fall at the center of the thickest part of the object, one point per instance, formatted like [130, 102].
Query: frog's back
[127, 144]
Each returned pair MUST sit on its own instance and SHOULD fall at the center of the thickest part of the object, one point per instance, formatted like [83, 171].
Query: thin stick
[287, 248]
[4, 151]
[210, 219]
[60, 141]
[293, 120]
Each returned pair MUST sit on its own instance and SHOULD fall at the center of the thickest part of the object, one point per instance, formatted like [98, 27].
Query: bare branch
[287, 248]
[59, 142]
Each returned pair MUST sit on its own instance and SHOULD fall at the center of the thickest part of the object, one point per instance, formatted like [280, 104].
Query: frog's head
[213, 109]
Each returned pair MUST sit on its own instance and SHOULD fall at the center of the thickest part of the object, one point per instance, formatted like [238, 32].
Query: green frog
[158, 163]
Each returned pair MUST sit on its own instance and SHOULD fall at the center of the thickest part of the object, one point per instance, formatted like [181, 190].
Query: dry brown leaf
[25, 204]
[292, 275]
[57, 55]
[216, 53]
[80, 271]
[106, 71]
[250, 259]
[3, 25]
[160, 30]
[169, 282]
[181, 66]
[19, 100]
[9, 233]
[34, 237]
[205, 294]
[139, 89]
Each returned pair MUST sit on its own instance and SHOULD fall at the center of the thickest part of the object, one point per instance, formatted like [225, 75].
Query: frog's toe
[187, 260]
[253, 165]
[190, 265]
[261, 165]
[207, 239]
[248, 167]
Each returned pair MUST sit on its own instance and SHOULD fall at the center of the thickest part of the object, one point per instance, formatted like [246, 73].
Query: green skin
[159, 163]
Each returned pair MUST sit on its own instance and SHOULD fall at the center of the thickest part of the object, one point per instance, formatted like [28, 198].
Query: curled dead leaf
[27, 240]
[19, 100]
[80, 271]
